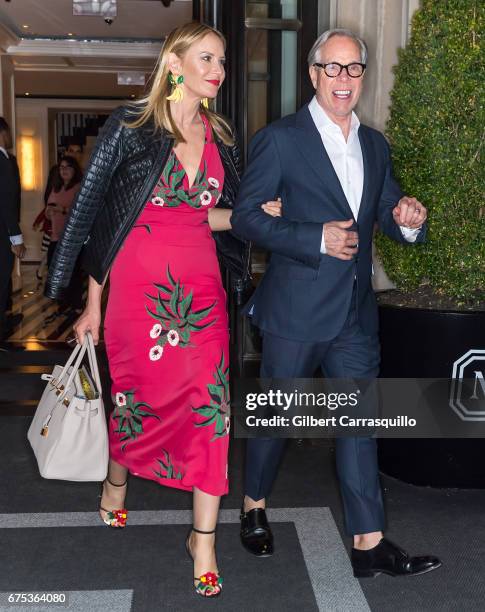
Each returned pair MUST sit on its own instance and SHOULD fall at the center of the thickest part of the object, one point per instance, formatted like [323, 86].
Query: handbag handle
[88, 346]
[93, 363]
[69, 363]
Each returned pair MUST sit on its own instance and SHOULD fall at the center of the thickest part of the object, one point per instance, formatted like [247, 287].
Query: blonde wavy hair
[155, 104]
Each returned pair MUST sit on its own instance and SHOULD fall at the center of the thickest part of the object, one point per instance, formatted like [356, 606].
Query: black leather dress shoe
[387, 558]
[256, 536]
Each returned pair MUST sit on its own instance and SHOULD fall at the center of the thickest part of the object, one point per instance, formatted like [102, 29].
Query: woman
[65, 186]
[42, 223]
[152, 185]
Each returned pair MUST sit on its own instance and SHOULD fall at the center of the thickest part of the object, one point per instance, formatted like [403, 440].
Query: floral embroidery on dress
[166, 466]
[176, 320]
[169, 190]
[130, 415]
[218, 410]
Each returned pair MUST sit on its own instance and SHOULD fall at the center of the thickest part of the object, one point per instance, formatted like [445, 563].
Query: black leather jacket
[122, 173]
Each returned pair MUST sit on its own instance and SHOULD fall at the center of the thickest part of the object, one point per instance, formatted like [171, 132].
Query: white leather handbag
[68, 433]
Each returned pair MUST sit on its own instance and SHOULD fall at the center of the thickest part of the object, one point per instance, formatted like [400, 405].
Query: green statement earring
[177, 94]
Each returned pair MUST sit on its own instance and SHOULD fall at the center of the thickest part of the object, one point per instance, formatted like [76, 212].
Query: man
[11, 240]
[315, 306]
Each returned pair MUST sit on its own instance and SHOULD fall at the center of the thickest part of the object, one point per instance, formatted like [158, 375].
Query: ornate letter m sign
[467, 396]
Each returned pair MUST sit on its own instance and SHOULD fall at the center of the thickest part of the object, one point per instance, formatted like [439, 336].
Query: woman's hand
[273, 208]
[51, 210]
[90, 320]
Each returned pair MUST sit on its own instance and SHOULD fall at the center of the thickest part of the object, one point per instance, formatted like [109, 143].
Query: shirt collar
[4, 151]
[323, 121]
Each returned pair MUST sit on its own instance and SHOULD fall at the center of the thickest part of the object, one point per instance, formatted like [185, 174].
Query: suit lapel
[366, 147]
[310, 145]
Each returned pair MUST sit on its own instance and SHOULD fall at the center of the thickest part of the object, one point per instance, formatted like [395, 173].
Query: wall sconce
[28, 162]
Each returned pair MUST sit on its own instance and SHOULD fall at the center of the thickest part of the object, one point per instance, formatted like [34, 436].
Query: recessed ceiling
[136, 19]
[72, 85]
[43, 54]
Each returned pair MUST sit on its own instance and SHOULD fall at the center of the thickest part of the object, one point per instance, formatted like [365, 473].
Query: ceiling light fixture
[25, 26]
[102, 8]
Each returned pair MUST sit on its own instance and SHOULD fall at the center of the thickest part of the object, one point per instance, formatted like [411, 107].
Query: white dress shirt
[347, 161]
[18, 239]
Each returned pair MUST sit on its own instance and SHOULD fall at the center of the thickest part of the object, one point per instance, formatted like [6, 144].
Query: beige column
[384, 25]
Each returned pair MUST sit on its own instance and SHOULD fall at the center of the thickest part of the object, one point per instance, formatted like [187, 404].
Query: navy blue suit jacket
[304, 294]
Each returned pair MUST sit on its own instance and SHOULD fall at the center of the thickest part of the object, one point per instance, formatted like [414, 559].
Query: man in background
[11, 239]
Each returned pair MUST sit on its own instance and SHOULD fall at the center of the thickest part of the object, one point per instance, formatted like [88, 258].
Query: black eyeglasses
[334, 69]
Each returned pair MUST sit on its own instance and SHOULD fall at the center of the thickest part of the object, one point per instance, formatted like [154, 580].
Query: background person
[64, 190]
[43, 224]
[11, 239]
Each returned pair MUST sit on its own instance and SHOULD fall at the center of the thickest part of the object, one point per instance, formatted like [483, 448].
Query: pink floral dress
[167, 337]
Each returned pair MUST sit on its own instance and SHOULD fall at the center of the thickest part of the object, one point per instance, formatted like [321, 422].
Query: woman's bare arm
[220, 218]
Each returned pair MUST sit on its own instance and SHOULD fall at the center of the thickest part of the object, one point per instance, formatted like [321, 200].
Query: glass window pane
[272, 76]
[277, 9]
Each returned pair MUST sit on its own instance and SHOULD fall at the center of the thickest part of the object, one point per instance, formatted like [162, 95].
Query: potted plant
[437, 313]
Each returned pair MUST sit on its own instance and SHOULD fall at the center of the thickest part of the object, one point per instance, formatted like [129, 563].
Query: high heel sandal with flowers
[114, 518]
[210, 583]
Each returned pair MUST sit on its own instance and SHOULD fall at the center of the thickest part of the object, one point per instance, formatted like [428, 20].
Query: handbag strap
[69, 363]
[87, 346]
[75, 369]
[93, 363]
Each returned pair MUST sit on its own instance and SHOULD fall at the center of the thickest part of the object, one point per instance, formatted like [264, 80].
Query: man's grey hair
[314, 55]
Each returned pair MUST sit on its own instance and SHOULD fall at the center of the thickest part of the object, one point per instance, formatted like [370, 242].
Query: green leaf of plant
[217, 389]
[174, 300]
[170, 277]
[153, 315]
[186, 304]
[204, 411]
[222, 376]
[162, 288]
[205, 423]
[144, 413]
[198, 315]
[167, 171]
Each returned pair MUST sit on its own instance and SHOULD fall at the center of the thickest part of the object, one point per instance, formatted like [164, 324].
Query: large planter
[418, 343]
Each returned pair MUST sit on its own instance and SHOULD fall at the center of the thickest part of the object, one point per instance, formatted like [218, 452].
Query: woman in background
[42, 223]
[65, 186]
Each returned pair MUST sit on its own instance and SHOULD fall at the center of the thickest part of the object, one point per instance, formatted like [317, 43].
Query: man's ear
[313, 76]
[174, 63]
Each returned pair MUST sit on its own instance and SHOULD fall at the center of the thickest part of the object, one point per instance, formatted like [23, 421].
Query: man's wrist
[323, 248]
[410, 234]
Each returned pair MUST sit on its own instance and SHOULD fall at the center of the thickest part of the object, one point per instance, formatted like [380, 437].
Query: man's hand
[19, 250]
[409, 212]
[339, 241]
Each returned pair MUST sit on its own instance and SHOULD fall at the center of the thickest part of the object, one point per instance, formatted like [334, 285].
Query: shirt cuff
[410, 234]
[323, 248]
[16, 240]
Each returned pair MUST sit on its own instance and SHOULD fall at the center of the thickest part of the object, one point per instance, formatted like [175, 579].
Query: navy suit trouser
[351, 354]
